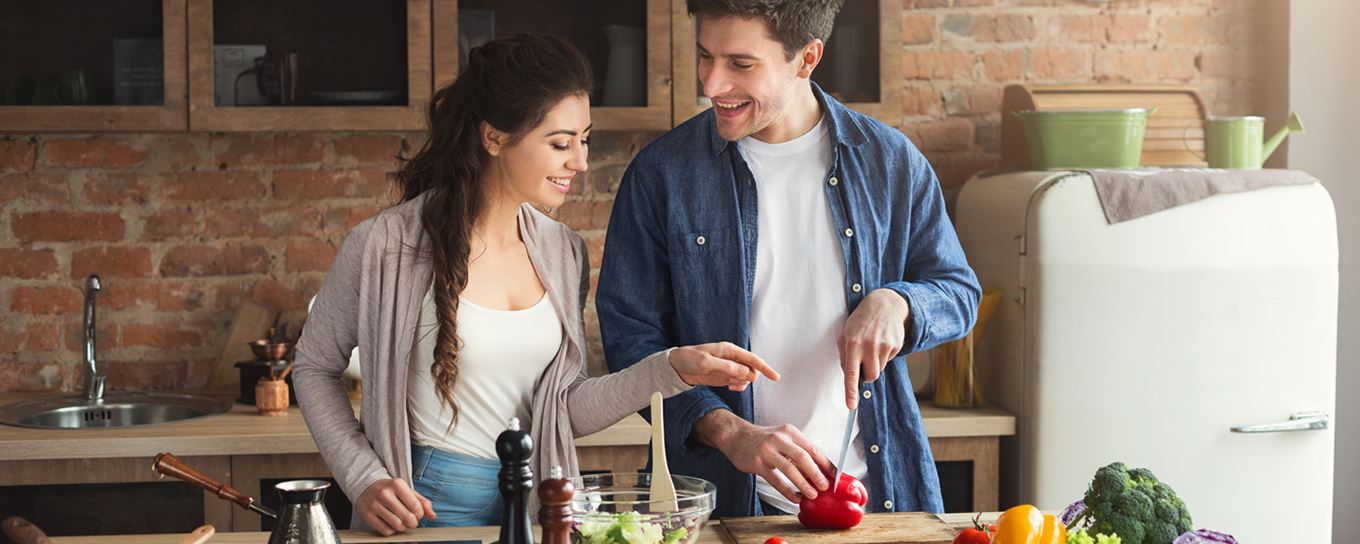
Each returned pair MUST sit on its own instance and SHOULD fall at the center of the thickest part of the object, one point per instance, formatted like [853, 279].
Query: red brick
[937, 65]
[34, 189]
[290, 221]
[213, 186]
[26, 377]
[292, 295]
[595, 248]
[17, 154]
[1054, 63]
[67, 227]
[46, 300]
[166, 336]
[920, 101]
[584, 214]
[98, 151]
[114, 262]
[947, 134]
[310, 256]
[233, 223]
[312, 184]
[1181, 29]
[917, 28]
[44, 335]
[1138, 65]
[144, 375]
[231, 259]
[371, 149]
[974, 100]
[157, 294]
[1007, 65]
[27, 263]
[925, 4]
[240, 150]
[1082, 28]
[170, 223]
[1127, 28]
[1009, 27]
[116, 189]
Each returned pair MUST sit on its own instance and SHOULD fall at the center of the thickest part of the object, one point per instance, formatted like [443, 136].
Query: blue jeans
[462, 488]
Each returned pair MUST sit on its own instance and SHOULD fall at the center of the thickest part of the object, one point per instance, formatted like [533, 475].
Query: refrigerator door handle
[1302, 421]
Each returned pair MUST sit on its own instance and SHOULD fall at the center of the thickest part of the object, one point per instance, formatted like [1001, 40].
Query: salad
[625, 528]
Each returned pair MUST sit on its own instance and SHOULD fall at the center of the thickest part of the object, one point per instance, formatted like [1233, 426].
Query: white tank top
[503, 356]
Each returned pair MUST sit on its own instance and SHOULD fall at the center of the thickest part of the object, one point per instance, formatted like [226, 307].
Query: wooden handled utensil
[21, 531]
[663, 497]
[166, 464]
[199, 536]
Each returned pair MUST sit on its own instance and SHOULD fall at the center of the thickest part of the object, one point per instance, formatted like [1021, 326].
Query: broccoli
[1134, 505]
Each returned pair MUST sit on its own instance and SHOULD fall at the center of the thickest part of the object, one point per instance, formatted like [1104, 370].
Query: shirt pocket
[706, 264]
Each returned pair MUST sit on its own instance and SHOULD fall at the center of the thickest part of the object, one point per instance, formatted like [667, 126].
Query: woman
[466, 302]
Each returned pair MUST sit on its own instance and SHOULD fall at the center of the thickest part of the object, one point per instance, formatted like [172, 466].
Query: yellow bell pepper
[1025, 524]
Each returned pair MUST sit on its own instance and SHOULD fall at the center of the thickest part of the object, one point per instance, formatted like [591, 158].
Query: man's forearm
[715, 427]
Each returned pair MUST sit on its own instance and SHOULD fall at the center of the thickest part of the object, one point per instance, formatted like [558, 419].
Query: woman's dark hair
[511, 84]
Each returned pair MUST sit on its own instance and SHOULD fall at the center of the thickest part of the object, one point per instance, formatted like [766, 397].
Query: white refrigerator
[1163, 342]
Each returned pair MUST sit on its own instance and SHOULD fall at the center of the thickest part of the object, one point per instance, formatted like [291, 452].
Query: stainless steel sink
[124, 409]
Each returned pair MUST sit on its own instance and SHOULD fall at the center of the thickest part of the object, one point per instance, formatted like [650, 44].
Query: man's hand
[719, 364]
[391, 506]
[763, 450]
[873, 335]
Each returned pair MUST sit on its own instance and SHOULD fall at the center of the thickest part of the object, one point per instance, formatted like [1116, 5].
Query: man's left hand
[873, 335]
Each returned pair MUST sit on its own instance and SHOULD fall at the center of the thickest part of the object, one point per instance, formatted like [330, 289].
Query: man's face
[745, 73]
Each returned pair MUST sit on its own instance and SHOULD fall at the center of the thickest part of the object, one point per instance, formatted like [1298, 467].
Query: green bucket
[1061, 139]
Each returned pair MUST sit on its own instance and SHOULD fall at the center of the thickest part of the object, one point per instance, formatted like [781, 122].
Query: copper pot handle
[166, 464]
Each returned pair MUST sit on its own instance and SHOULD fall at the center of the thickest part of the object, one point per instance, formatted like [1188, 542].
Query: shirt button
[849, 232]
[868, 393]
[887, 505]
[873, 448]
[856, 287]
[834, 181]
[700, 240]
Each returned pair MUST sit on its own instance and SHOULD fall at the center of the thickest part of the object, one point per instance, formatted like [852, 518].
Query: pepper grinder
[554, 513]
[514, 447]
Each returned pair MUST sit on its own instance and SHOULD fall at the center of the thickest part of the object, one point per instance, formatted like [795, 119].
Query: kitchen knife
[845, 445]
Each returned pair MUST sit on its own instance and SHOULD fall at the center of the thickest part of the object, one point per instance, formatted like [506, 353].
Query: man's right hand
[391, 506]
[764, 450]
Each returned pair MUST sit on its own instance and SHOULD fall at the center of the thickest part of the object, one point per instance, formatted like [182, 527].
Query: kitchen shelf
[53, 40]
[360, 65]
[585, 26]
[861, 27]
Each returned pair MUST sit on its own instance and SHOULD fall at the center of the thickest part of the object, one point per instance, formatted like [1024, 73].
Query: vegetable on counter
[1133, 504]
[977, 534]
[1080, 536]
[839, 509]
[1025, 524]
[626, 528]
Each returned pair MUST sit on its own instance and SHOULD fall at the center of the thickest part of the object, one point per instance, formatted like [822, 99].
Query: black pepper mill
[516, 480]
[554, 512]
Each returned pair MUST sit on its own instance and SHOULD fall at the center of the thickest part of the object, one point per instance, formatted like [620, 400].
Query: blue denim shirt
[679, 266]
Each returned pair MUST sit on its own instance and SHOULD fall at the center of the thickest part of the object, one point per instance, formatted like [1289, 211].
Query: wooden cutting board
[894, 528]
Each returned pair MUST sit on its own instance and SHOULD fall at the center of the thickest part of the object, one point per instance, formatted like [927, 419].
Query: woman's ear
[810, 56]
[492, 139]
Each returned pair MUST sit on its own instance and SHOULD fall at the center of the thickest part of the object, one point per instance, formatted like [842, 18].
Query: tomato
[972, 536]
[774, 540]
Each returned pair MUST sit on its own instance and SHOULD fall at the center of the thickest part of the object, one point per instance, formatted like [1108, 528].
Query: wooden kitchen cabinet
[352, 65]
[627, 42]
[70, 44]
[861, 66]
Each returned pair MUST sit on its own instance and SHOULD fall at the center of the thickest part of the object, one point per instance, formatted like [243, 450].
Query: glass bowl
[613, 508]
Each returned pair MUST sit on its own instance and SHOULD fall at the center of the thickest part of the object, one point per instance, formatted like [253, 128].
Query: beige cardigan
[371, 298]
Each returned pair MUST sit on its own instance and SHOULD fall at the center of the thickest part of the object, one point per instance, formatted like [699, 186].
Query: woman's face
[540, 168]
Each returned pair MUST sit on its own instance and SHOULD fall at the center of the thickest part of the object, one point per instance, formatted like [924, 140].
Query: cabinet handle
[1301, 421]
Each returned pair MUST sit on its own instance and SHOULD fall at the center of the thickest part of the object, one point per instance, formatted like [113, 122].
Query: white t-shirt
[798, 308]
[503, 355]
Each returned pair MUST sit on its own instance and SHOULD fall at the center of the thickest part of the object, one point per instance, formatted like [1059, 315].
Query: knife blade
[845, 445]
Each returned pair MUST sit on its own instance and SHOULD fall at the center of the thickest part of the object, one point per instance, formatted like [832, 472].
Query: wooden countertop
[242, 431]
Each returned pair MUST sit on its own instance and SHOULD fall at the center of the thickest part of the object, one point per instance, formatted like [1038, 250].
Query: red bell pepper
[839, 509]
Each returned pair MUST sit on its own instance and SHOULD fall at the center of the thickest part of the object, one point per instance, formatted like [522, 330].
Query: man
[782, 222]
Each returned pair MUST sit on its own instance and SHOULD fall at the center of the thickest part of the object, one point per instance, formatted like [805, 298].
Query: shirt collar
[845, 129]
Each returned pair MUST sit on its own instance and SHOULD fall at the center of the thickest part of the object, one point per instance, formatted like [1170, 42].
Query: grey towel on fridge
[1130, 194]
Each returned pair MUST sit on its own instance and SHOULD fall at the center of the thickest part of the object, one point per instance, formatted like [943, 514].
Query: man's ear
[492, 140]
[809, 57]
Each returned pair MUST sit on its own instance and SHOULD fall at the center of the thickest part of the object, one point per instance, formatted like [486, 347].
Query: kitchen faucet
[94, 380]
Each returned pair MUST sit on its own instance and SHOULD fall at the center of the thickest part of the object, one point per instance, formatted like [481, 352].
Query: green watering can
[1235, 142]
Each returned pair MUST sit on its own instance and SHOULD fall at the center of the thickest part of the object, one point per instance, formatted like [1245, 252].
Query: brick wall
[184, 226]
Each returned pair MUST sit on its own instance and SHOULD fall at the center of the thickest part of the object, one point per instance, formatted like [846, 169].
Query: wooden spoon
[663, 497]
[199, 536]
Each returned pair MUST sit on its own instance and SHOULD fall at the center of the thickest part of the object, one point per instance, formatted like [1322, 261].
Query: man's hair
[793, 23]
